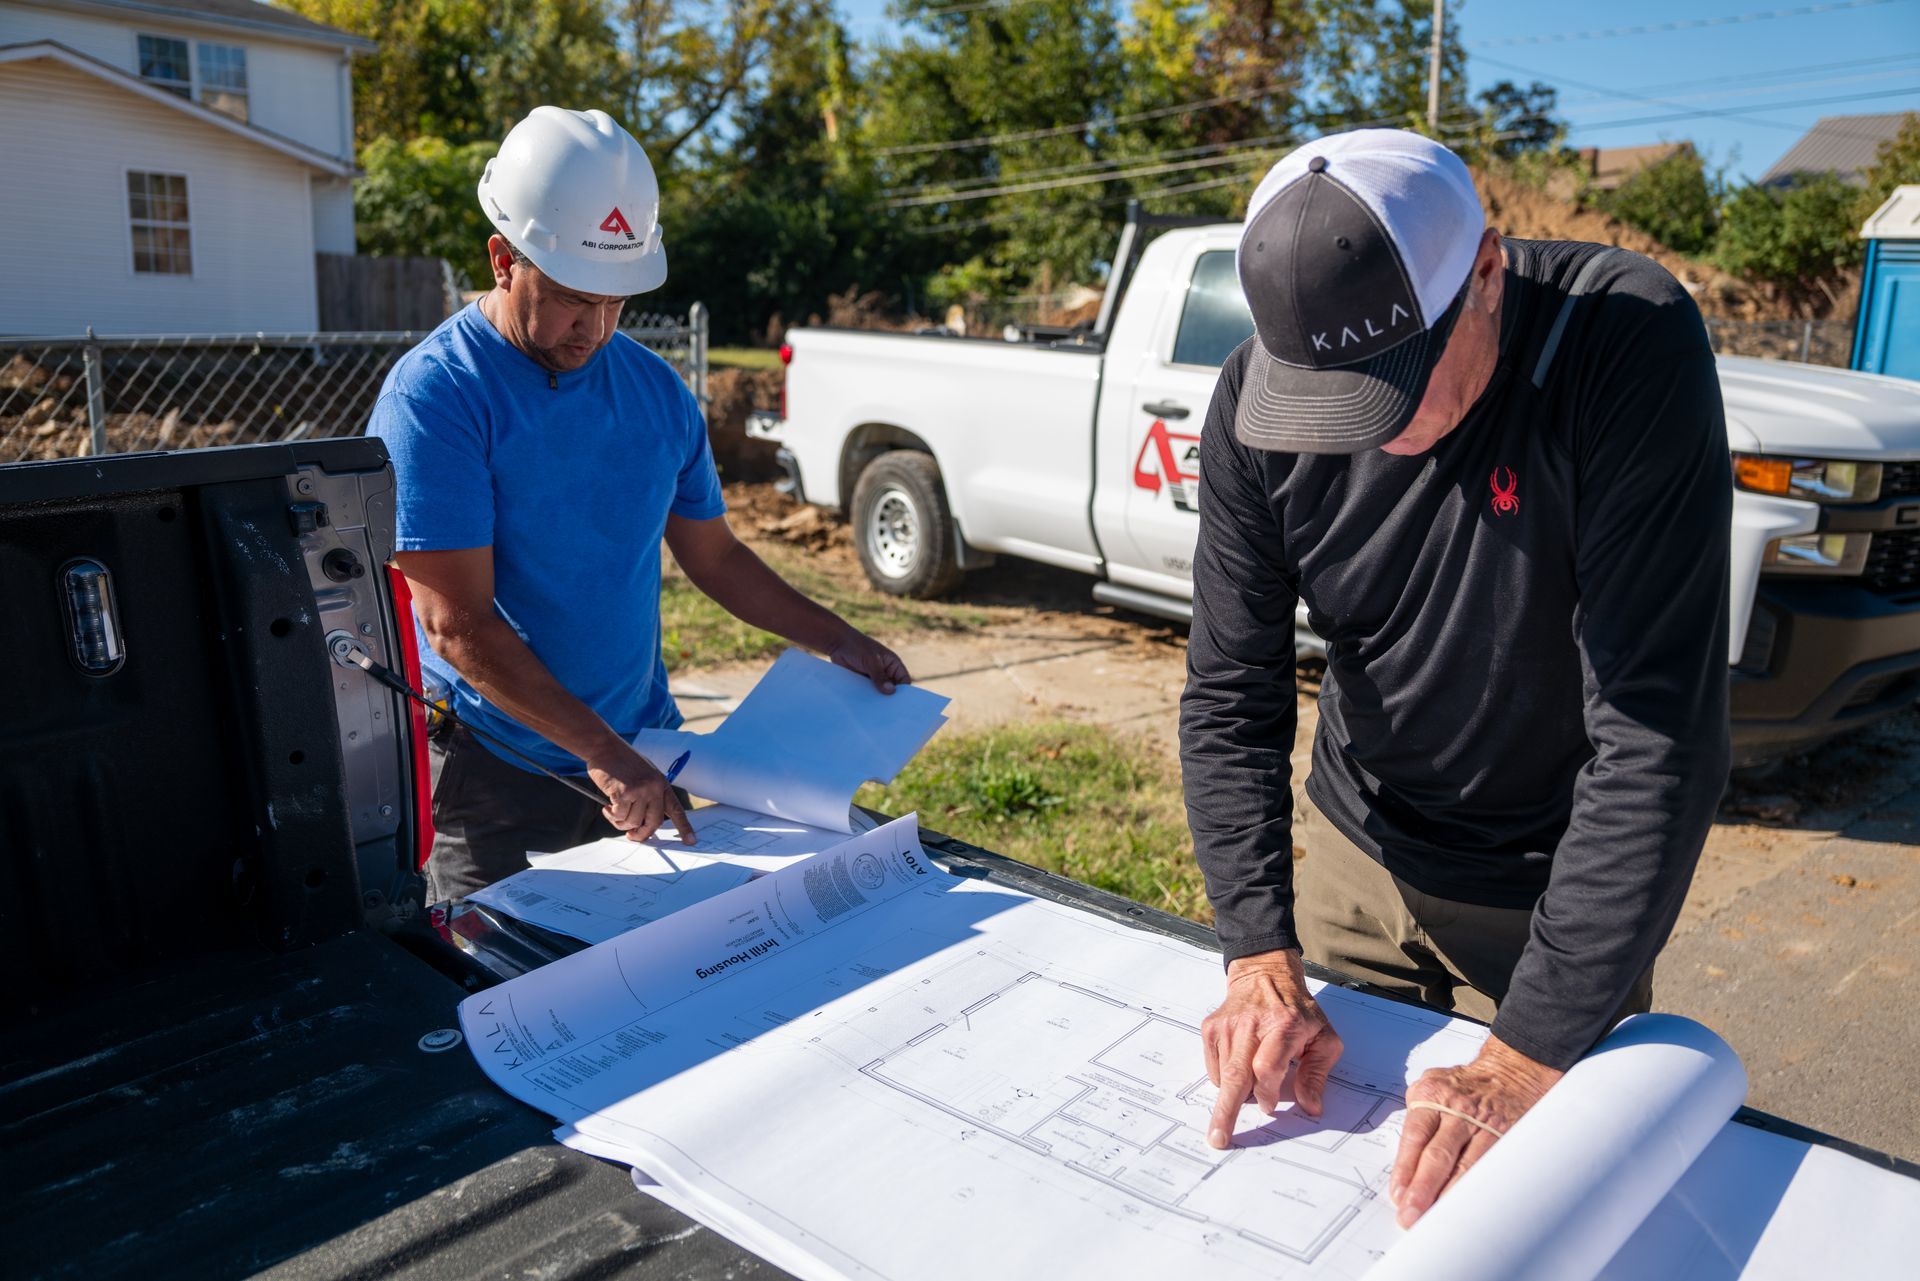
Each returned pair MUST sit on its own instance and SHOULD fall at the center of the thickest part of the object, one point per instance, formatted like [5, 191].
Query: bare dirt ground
[1800, 939]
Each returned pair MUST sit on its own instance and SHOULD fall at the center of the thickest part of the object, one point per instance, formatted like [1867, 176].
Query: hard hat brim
[621, 280]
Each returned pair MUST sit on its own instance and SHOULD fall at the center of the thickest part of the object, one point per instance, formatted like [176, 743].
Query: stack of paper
[802, 742]
[605, 888]
[859, 1066]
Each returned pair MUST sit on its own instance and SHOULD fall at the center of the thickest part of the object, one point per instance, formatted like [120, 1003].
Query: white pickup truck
[1079, 448]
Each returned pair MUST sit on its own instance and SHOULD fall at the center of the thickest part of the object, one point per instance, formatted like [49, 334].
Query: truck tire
[903, 527]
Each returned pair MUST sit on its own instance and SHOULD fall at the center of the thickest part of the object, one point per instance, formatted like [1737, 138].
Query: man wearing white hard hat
[1496, 473]
[542, 457]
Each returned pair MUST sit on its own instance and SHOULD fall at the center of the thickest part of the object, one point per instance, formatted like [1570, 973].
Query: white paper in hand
[802, 742]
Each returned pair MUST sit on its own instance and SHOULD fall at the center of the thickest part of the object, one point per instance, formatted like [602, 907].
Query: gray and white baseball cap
[1354, 259]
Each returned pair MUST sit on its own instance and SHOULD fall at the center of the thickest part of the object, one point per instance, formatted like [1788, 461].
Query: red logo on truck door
[1171, 461]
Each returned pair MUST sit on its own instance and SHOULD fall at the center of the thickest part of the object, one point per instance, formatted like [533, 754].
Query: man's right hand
[639, 798]
[1268, 1022]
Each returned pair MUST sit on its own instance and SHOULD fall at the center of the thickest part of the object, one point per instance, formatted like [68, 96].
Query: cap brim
[1338, 411]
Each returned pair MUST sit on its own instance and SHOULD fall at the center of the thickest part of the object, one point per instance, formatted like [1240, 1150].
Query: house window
[223, 79]
[157, 209]
[163, 62]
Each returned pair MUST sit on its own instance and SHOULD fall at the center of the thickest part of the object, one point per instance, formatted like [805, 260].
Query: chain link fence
[66, 397]
[1809, 342]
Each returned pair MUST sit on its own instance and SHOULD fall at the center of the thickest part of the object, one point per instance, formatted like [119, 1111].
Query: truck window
[1216, 319]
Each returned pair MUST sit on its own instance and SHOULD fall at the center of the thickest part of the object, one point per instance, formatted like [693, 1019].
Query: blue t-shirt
[570, 479]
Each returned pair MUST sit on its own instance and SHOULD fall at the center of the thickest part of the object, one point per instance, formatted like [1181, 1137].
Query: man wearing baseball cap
[1496, 472]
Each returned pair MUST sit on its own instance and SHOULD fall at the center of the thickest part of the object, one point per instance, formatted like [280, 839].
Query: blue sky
[1765, 80]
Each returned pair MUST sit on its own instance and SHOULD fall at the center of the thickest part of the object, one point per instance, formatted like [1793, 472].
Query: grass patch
[696, 632]
[742, 358]
[1099, 807]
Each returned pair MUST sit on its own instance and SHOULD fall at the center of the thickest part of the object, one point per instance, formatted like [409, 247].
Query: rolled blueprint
[1561, 1193]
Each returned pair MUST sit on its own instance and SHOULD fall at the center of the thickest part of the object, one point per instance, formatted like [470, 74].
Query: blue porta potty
[1887, 340]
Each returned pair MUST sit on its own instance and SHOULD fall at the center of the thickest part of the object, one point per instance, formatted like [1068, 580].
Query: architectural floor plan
[1130, 1109]
[848, 1058]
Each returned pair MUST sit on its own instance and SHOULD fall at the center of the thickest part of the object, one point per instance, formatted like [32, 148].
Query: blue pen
[680, 763]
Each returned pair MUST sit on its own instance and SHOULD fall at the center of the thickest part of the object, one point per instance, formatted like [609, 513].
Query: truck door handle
[1165, 409]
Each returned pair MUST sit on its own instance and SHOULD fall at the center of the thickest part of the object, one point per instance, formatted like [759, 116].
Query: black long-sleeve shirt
[1525, 702]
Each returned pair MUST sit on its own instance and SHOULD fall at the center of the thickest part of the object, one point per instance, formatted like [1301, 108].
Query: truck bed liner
[252, 1112]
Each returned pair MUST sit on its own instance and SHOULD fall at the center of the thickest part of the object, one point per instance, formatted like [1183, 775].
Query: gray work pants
[487, 814]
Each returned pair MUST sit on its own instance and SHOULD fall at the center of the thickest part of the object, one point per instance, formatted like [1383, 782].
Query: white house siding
[294, 90]
[67, 141]
[332, 214]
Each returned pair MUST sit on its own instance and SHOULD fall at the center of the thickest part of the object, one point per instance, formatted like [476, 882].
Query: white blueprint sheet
[802, 742]
[861, 1067]
[596, 891]
[604, 888]
[899, 1071]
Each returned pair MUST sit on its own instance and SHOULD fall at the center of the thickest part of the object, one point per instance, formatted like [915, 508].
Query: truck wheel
[903, 528]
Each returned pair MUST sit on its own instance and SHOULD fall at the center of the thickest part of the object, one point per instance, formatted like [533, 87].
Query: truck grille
[1899, 480]
[1893, 562]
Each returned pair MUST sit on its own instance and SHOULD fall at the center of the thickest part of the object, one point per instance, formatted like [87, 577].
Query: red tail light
[417, 719]
[786, 359]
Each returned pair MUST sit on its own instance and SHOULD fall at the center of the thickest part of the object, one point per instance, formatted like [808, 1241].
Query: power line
[1685, 113]
[1079, 126]
[1455, 125]
[1180, 153]
[1608, 103]
[1682, 24]
[1803, 102]
[1746, 77]
[1019, 189]
[1029, 215]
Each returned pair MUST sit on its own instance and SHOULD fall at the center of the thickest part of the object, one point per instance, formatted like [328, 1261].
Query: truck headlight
[1816, 479]
[1817, 554]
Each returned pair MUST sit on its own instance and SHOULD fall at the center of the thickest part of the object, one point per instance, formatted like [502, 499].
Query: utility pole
[1433, 68]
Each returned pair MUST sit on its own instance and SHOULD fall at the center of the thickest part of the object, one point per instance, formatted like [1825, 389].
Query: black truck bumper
[1821, 659]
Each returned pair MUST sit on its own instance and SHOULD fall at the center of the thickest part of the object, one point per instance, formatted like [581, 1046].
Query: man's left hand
[1437, 1147]
[859, 652]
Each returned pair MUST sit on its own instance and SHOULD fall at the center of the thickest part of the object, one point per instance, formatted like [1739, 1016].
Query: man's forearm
[742, 584]
[509, 675]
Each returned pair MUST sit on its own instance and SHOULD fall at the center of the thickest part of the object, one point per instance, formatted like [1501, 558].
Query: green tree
[1895, 164]
[1674, 200]
[423, 79]
[786, 212]
[418, 198]
[1799, 240]
[1366, 62]
[1516, 122]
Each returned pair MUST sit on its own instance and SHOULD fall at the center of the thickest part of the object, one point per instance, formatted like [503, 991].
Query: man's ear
[1490, 271]
[500, 258]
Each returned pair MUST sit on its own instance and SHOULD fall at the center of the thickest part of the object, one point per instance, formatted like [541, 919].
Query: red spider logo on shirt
[1506, 496]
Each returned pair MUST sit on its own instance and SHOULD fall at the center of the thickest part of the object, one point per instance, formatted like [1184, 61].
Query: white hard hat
[576, 194]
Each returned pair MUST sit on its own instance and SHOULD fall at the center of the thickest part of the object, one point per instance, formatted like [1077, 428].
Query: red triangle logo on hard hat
[616, 222]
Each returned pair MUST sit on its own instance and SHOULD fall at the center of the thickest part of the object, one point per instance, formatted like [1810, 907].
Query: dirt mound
[1532, 214]
[764, 510]
[731, 395]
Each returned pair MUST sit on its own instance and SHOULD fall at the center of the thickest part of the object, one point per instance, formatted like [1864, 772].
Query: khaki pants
[1354, 916]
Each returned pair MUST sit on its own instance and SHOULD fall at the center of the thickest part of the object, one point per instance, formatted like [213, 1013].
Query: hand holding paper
[803, 741]
[1454, 1115]
[862, 654]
